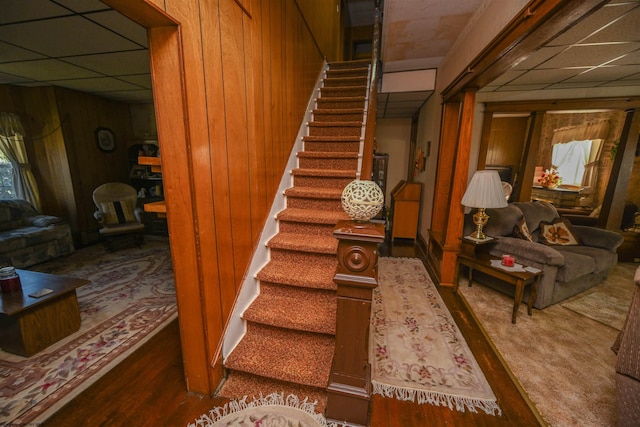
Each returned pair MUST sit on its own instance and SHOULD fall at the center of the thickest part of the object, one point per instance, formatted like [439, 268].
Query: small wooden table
[29, 325]
[481, 261]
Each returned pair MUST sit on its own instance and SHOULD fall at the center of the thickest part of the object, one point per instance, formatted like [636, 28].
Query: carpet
[273, 410]
[562, 359]
[609, 310]
[417, 351]
[131, 296]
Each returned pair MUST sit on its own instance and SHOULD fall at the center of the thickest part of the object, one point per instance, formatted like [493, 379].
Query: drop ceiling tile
[602, 74]
[96, 85]
[131, 96]
[27, 10]
[507, 77]
[626, 28]
[8, 79]
[115, 63]
[46, 69]
[538, 57]
[544, 76]
[521, 88]
[65, 37]
[122, 25]
[571, 85]
[591, 24]
[9, 53]
[142, 80]
[629, 59]
[83, 5]
[409, 96]
[590, 55]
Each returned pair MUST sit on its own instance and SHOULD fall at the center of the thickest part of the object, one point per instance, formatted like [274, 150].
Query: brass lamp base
[480, 219]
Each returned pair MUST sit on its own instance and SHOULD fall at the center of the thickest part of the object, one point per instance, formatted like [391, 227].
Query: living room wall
[66, 161]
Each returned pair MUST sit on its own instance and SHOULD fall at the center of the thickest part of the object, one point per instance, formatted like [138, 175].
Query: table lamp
[484, 191]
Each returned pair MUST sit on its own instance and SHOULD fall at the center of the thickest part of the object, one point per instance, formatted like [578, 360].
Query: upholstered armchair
[117, 214]
[627, 347]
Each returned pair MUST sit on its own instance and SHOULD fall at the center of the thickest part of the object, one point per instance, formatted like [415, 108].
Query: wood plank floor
[148, 388]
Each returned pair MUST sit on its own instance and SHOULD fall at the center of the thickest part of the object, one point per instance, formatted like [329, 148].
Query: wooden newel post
[356, 276]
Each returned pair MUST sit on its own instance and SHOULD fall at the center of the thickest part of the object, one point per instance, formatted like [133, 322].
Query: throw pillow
[521, 231]
[118, 212]
[558, 232]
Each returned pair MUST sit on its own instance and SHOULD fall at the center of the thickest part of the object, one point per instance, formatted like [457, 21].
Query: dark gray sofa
[567, 270]
[28, 237]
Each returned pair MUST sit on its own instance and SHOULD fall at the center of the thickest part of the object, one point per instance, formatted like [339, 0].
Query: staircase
[289, 342]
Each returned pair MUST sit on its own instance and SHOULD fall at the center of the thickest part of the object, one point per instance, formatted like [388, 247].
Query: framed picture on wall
[105, 139]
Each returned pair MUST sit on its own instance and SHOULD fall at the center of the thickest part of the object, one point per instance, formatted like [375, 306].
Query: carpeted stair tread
[302, 243]
[328, 154]
[339, 81]
[323, 138]
[301, 309]
[328, 173]
[314, 193]
[356, 63]
[240, 384]
[311, 216]
[285, 355]
[304, 276]
[343, 91]
[338, 111]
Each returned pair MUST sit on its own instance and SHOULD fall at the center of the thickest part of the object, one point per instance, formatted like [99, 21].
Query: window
[571, 159]
[7, 190]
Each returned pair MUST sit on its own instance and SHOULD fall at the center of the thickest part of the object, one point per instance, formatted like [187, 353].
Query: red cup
[508, 260]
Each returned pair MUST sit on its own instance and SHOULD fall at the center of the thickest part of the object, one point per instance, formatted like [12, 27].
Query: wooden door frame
[537, 23]
[167, 66]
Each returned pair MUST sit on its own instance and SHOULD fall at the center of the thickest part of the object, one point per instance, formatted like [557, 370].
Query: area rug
[417, 351]
[131, 296]
[274, 410]
[562, 359]
[609, 310]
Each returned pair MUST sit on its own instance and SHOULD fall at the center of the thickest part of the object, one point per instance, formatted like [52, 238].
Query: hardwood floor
[148, 388]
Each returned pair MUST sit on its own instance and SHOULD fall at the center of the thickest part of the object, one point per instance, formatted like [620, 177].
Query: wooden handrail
[372, 103]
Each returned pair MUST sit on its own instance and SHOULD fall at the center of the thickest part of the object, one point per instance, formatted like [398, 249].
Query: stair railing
[372, 102]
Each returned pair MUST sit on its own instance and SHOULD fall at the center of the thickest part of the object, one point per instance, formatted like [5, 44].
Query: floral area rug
[131, 296]
[273, 410]
[418, 353]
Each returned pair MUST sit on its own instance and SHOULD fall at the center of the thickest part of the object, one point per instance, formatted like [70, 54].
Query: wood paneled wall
[66, 161]
[231, 85]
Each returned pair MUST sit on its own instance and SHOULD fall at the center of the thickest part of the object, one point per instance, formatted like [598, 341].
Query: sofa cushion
[536, 212]
[575, 265]
[558, 232]
[521, 231]
[23, 237]
[602, 258]
[501, 220]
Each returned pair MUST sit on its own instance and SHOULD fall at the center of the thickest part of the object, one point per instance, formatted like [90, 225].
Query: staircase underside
[289, 344]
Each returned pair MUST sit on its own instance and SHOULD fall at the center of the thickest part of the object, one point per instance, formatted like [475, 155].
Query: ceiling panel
[68, 36]
[116, 63]
[46, 70]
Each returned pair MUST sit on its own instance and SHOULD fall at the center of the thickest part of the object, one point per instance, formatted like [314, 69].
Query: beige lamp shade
[485, 191]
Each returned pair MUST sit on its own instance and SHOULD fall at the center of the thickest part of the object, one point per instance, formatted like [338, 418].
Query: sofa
[28, 237]
[572, 258]
[627, 347]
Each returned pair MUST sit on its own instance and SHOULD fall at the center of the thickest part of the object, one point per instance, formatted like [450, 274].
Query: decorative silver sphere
[362, 200]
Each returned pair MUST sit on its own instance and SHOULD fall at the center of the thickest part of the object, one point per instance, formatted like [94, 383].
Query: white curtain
[12, 146]
[569, 159]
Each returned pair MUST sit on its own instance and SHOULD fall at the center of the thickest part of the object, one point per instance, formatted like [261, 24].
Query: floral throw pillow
[521, 231]
[558, 232]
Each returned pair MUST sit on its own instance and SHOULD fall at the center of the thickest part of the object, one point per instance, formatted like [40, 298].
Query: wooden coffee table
[28, 324]
[481, 261]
